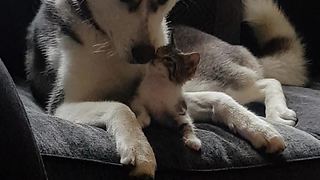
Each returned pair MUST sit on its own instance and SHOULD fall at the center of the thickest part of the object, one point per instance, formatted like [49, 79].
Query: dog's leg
[132, 145]
[275, 102]
[142, 115]
[228, 112]
[269, 92]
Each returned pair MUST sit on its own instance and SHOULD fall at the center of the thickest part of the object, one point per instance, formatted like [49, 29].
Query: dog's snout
[143, 53]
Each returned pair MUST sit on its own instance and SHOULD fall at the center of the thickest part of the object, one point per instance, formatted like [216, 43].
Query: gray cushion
[221, 149]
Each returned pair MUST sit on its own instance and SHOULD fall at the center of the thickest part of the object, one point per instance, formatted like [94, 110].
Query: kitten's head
[180, 66]
[152, 5]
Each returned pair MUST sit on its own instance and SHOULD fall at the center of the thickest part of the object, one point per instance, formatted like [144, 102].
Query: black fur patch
[142, 53]
[39, 54]
[162, 2]
[276, 45]
[81, 9]
[38, 88]
[67, 30]
[133, 5]
[56, 99]
[154, 6]
[53, 17]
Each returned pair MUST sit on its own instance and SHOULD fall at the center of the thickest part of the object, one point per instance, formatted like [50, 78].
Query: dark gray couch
[35, 145]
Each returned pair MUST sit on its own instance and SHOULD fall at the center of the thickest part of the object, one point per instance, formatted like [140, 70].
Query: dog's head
[136, 27]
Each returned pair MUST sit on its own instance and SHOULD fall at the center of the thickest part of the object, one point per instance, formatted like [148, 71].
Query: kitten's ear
[162, 51]
[191, 64]
[194, 58]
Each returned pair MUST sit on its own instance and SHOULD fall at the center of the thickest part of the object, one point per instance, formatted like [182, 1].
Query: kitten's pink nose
[143, 53]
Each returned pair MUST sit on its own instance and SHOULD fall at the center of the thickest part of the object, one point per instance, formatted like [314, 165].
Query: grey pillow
[221, 149]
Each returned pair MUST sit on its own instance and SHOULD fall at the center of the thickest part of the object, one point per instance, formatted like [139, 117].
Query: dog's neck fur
[86, 65]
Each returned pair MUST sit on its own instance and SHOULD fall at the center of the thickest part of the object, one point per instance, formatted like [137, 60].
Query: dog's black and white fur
[79, 60]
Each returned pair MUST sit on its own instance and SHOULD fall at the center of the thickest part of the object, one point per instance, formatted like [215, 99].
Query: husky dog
[236, 72]
[160, 95]
[80, 61]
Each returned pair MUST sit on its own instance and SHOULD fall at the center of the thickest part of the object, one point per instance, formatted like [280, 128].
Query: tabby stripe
[81, 8]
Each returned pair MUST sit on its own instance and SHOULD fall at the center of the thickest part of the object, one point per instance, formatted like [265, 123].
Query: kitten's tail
[283, 52]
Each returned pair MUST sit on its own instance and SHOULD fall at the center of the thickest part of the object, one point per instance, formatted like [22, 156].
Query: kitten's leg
[187, 128]
[227, 111]
[141, 113]
[269, 92]
[119, 120]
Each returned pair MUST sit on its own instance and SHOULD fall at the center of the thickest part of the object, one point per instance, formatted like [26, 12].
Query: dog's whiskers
[105, 47]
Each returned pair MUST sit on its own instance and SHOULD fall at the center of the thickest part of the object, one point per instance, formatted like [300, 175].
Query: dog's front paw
[282, 115]
[262, 135]
[192, 142]
[272, 145]
[141, 157]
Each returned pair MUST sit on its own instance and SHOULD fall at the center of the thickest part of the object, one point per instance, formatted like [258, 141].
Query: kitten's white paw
[282, 115]
[193, 143]
[263, 136]
[141, 156]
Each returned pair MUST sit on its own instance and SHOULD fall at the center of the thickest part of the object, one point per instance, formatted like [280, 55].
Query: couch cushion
[221, 149]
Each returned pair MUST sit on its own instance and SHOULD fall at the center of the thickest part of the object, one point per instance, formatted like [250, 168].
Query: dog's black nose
[143, 53]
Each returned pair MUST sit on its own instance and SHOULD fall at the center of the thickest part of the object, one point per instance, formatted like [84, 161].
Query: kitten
[160, 97]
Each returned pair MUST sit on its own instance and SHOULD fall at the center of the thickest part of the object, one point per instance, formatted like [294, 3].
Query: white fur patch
[119, 120]
[88, 72]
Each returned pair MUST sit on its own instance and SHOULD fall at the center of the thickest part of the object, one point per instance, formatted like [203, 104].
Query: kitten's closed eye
[162, 2]
[154, 4]
[171, 66]
[133, 5]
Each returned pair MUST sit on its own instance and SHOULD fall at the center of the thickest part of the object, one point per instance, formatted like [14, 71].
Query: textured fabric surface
[64, 168]
[306, 102]
[221, 149]
[19, 154]
[72, 151]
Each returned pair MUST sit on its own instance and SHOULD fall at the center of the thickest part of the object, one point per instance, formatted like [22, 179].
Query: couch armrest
[19, 154]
